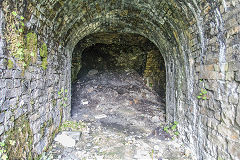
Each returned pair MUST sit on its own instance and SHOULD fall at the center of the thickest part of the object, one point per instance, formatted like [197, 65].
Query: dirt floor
[120, 118]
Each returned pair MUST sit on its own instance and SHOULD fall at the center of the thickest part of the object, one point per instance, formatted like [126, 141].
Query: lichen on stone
[44, 54]
[31, 47]
[44, 126]
[43, 50]
[10, 64]
[44, 63]
[22, 136]
[22, 48]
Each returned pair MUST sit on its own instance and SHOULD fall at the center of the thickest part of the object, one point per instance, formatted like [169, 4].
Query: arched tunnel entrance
[118, 89]
[118, 53]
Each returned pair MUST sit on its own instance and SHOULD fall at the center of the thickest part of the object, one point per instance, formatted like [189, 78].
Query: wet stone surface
[122, 119]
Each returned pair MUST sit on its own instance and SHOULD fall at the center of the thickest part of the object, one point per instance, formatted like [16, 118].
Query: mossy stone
[10, 64]
[43, 50]
[44, 54]
[22, 135]
[31, 46]
[44, 63]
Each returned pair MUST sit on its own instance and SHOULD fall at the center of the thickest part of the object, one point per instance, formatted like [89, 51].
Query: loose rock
[122, 119]
[65, 140]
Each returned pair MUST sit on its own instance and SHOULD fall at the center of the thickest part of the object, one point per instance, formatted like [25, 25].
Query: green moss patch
[44, 63]
[73, 126]
[23, 48]
[31, 47]
[43, 50]
[44, 54]
[20, 139]
[10, 64]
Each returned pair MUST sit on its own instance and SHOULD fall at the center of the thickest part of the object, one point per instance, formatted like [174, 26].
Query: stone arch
[199, 40]
[98, 26]
[178, 64]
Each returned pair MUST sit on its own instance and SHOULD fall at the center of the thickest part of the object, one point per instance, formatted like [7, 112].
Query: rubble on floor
[122, 119]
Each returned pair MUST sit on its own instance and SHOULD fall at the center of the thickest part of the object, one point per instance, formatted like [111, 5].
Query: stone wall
[32, 73]
[199, 41]
[155, 72]
[217, 73]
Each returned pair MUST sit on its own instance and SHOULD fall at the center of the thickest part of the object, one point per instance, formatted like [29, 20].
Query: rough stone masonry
[198, 39]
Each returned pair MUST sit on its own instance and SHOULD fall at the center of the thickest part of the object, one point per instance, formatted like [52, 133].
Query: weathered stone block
[2, 83]
[2, 116]
[233, 148]
[213, 123]
[228, 114]
[1, 73]
[5, 105]
[17, 74]
[2, 47]
[209, 67]
[7, 74]
[8, 115]
[238, 114]
[9, 83]
[33, 85]
[228, 132]
[212, 85]
[13, 101]
[3, 92]
[24, 89]
[36, 126]
[217, 116]
[40, 145]
[223, 154]
[1, 103]
[237, 76]
[26, 99]
[229, 76]
[8, 125]
[214, 105]
[36, 138]
[233, 98]
[40, 84]
[10, 94]
[37, 93]
[220, 95]
[238, 89]
[234, 66]
[18, 112]
[3, 63]
[233, 31]
[212, 75]
[43, 99]
[216, 68]
[28, 75]
[13, 93]
[217, 140]
[231, 22]
[17, 83]
[1, 129]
